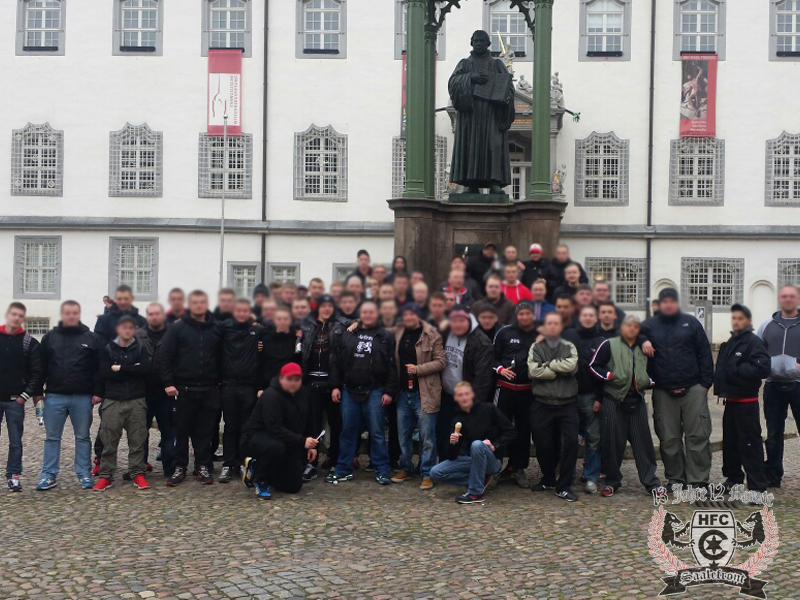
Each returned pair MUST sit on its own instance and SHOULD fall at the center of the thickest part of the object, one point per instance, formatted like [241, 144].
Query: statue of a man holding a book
[482, 92]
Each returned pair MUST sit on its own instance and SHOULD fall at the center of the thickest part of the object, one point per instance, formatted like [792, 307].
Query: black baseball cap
[742, 309]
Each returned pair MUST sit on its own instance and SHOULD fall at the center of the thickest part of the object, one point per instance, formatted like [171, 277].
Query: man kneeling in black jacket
[480, 435]
[277, 438]
[742, 363]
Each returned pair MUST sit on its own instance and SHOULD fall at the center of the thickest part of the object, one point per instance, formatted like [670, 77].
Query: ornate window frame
[722, 279]
[23, 48]
[115, 266]
[594, 156]
[697, 164]
[783, 170]
[324, 143]
[136, 151]
[399, 166]
[37, 150]
[21, 244]
[211, 157]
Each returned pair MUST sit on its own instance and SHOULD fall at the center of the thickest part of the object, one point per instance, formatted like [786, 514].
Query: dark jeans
[393, 440]
[444, 422]
[195, 417]
[275, 464]
[742, 446]
[15, 422]
[215, 437]
[516, 406]
[238, 401]
[555, 433]
[160, 407]
[778, 397]
[323, 407]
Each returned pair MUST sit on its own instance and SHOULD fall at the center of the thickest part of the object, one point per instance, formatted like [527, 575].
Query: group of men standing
[504, 354]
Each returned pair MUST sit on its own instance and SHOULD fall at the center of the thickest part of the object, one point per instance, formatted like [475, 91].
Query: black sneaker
[383, 479]
[309, 473]
[542, 487]
[204, 476]
[568, 495]
[470, 499]
[225, 475]
[14, 484]
[177, 477]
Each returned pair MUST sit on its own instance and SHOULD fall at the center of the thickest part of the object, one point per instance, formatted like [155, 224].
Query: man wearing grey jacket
[552, 364]
[781, 335]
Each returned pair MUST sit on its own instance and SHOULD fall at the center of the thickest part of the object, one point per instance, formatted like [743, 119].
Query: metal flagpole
[224, 186]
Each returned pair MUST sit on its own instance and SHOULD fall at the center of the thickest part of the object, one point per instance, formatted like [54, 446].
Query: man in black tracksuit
[242, 381]
[363, 378]
[742, 364]
[189, 363]
[278, 435]
[20, 380]
[280, 344]
[321, 331]
[159, 405]
[514, 397]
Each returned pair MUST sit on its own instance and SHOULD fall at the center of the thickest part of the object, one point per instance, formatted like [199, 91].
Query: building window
[341, 271]
[37, 272]
[625, 276]
[40, 27]
[601, 167]
[699, 28]
[399, 166]
[213, 177]
[783, 170]
[784, 21]
[697, 169]
[719, 280]
[227, 24]
[401, 31]
[320, 165]
[137, 27]
[506, 22]
[321, 29]
[788, 272]
[37, 161]
[283, 272]
[135, 162]
[37, 326]
[605, 27]
[134, 262]
[243, 278]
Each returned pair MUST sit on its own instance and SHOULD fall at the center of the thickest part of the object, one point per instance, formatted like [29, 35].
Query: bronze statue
[482, 92]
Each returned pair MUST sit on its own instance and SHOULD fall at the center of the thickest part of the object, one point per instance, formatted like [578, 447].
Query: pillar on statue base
[430, 232]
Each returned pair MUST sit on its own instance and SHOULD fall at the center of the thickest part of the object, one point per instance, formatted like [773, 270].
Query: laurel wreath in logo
[671, 564]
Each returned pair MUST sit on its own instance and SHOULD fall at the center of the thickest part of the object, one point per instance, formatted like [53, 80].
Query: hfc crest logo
[713, 536]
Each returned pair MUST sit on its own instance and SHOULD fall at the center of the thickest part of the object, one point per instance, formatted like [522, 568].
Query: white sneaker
[591, 487]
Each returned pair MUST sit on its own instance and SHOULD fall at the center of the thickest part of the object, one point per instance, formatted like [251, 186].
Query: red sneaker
[140, 482]
[102, 484]
[96, 468]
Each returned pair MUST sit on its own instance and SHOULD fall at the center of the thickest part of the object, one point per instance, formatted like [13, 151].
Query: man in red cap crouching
[278, 437]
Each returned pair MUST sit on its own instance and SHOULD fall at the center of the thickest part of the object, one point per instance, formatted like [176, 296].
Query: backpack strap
[26, 342]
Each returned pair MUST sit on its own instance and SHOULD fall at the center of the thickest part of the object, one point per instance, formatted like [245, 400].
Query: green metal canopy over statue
[482, 92]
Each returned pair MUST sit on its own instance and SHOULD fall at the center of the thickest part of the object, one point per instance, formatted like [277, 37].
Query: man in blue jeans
[20, 378]
[781, 335]
[480, 436]
[70, 355]
[419, 356]
[363, 378]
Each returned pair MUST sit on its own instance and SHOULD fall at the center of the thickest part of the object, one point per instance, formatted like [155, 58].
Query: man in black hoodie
[278, 436]
[321, 331]
[189, 364]
[536, 267]
[20, 380]
[586, 337]
[478, 437]
[514, 397]
[555, 271]
[742, 364]
[281, 344]
[122, 383]
[364, 379]
[106, 326]
[242, 381]
[683, 369]
[70, 354]
[159, 405]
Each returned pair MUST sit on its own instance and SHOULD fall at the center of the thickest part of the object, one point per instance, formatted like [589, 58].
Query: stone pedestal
[427, 231]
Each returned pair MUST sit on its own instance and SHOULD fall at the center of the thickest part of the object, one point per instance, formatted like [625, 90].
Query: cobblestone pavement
[351, 541]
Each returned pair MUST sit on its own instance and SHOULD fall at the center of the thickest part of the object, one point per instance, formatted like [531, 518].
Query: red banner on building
[224, 91]
[699, 95]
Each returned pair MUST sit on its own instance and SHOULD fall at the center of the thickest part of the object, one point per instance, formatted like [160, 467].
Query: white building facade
[108, 176]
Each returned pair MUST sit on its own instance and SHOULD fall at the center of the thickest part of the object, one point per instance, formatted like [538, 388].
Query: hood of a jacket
[114, 309]
[20, 331]
[209, 322]
[79, 328]
[276, 385]
[133, 343]
[587, 332]
[776, 315]
[748, 329]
